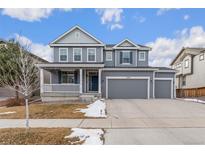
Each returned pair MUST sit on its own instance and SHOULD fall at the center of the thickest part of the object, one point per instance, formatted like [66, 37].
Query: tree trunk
[17, 95]
[27, 112]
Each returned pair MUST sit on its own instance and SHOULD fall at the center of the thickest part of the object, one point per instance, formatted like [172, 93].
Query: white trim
[99, 80]
[129, 69]
[76, 27]
[41, 81]
[144, 59]
[153, 85]
[166, 71]
[50, 77]
[172, 88]
[56, 65]
[102, 55]
[128, 78]
[76, 45]
[80, 55]
[106, 56]
[81, 81]
[201, 55]
[62, 92]
[136, 60]
[136, 46]
[59, 54]
[88, 54]
[64, 84]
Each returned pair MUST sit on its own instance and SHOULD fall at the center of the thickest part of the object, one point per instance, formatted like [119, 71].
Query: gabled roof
[192, 51]
[72, 29]
[135, 46]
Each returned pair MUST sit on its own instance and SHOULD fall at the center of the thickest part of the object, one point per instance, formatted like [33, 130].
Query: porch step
[87, 97]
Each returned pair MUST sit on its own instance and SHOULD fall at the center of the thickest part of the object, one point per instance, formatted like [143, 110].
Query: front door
[93, 81]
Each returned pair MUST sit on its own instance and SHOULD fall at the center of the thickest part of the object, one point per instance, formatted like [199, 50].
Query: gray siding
[164, 74]
[109, 63]
[143, 63]
[84, 53]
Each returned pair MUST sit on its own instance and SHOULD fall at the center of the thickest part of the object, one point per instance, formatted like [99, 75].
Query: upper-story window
[178, 65]
[142, 56]
[186, 63]
[77, 54]
[108, 56]
[125, 57]
[63, 54]
[91, 54]
[201, 57]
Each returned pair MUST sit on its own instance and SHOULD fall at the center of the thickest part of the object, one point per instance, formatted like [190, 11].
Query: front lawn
[44, 111]
[50, 136]
[19, 136]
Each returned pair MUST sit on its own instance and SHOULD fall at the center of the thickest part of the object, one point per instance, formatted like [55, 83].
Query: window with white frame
[77, 54]
[142, 56]
[201, 57]
[67, 77]
[108, 56]
[125, 57]
[91, 54]
[63, 54]
[186, 63]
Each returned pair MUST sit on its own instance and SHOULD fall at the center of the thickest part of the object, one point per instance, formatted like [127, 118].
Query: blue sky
[165, 30]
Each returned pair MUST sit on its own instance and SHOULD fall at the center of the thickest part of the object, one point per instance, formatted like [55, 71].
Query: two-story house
[83, 65]
[190, 72]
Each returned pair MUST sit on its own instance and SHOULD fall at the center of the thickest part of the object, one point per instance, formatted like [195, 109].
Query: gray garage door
[127, 88]
[162, 89]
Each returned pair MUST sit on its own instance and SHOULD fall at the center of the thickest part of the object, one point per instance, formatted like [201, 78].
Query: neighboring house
[85, 66]
[5, 92]
[190, 75]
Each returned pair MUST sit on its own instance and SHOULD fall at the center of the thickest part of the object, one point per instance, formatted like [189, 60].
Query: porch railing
[71, 88]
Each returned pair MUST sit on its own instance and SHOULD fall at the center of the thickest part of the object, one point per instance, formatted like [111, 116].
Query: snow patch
[96, 109]
[89, 136]
[195, 100]
[5, 113]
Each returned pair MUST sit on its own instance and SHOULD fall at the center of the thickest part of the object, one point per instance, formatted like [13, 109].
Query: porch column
[41, 80]
[99, 80]
[81, 81]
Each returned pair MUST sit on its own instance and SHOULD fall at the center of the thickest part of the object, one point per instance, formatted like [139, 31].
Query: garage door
[163, 88]
[127, 88]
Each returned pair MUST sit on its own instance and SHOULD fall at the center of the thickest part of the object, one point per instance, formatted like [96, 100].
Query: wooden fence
[192, 92]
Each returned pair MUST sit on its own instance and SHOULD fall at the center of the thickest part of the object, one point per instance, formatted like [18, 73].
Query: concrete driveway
[155, 121]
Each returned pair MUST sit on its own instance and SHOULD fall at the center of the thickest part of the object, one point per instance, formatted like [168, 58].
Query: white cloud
[111, 17]
[43, 51]
[186, 17]
[165, 49]
[141, 19]
[31, 14]
[164, 10]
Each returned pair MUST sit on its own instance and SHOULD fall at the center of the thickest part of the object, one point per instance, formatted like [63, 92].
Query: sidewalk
[108, 123]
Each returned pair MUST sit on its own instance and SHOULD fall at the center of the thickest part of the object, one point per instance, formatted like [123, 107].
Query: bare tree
[20, 72]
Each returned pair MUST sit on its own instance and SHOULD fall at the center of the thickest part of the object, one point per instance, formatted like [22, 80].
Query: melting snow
[89, 136]
[194, 100]
[5, 113]
[96, 109]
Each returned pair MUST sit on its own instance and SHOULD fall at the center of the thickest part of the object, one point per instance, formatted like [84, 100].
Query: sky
[166, 31]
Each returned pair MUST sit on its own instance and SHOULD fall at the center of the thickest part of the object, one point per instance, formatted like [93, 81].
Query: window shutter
[59, 76]
[120, 57]
[131, 57]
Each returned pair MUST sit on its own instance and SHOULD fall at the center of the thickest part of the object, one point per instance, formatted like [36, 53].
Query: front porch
[70, 84]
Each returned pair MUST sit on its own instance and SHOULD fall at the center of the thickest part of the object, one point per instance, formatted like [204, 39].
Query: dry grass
[36, 136]
[44, 111]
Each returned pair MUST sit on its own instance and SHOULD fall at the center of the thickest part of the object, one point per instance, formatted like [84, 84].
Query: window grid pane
[125, 57]
[91, 55]
[77, 54]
